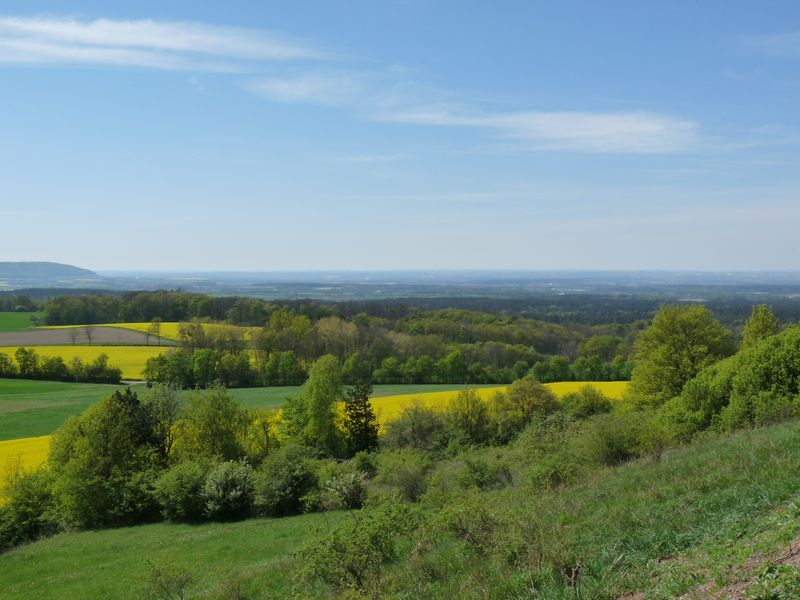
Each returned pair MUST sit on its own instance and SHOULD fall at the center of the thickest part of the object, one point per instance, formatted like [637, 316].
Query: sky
[409, 134]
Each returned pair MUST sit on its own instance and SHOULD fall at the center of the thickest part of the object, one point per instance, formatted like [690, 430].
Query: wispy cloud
[620, 132]
[327, 88]
[143, 43]
[779, 45]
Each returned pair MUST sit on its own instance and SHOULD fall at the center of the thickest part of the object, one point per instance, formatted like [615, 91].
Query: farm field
[131, 359]
[33, 408]
[101, 336]
[16, 321]
[28, 453]
[169, 330]
[744, 518]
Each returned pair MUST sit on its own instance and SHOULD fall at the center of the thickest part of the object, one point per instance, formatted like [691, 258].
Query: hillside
[642, 530]
[45, 274]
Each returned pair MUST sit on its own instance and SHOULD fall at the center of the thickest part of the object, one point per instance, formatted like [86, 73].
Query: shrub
[29, 509]
[405, 472]
[283, 480]
[228, 491]
[612, 439]
[467, 418]
[352, 555]
[344, 491]
[179, 492]
[365, 463]
[417, 427]
[586, 402]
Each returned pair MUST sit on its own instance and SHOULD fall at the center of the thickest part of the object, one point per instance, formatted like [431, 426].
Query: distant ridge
[38, 274]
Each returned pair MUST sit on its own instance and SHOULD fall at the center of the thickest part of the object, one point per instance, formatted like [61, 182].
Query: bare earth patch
[101, 336]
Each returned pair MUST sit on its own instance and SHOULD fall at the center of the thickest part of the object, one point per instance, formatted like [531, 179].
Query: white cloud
[616, 132]
[315, 88]
[142, 43]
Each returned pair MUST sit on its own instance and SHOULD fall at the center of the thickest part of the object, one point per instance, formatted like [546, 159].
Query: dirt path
[101, 336]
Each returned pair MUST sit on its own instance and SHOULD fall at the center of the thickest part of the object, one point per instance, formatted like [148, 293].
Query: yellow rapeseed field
[390, 407]
[31, 451]
[131, 359]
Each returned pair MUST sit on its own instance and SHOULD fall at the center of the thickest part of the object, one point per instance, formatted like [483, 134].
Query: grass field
[16, 321]
[131, 359]
[112, 563]
[34, 408]
[710, 513]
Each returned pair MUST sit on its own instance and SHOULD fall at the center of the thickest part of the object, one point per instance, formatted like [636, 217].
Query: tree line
[28, 364]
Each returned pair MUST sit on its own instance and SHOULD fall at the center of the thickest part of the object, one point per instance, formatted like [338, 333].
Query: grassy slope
[710, 513]
[663, 528]
[16, 321]
[112, 563]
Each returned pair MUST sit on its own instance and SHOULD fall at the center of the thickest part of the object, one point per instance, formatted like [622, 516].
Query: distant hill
[38, 274]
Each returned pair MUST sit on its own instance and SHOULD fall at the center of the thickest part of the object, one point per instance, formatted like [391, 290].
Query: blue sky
[401, 135]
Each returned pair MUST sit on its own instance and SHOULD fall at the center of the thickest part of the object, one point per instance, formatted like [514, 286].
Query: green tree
[762, 324]
[214, 427]
[320, 394]
[360, 423]
[105, 461]
[680, 342]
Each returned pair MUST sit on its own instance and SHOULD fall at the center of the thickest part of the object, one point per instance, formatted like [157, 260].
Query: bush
[29, 509]
[179, 492]
[282, 482]
[404, 472]
[586, 402]
[344, 491]
[365, 463]
[228, 491]
[353, 554]
[417, 427]
[467, 418]
[612, 439]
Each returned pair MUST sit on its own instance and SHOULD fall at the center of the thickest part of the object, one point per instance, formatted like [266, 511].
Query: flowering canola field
[388, 408]
[131, 359]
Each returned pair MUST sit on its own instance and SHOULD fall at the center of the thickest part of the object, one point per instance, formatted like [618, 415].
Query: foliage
[178, 491]
[322, 390]
[680, 342]
[213, 427]
[360, 424]
[27, 507]
[283, 480]
[228, 491]
[351, 555]
[762, 324]
[586, 402]
[106, 460]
